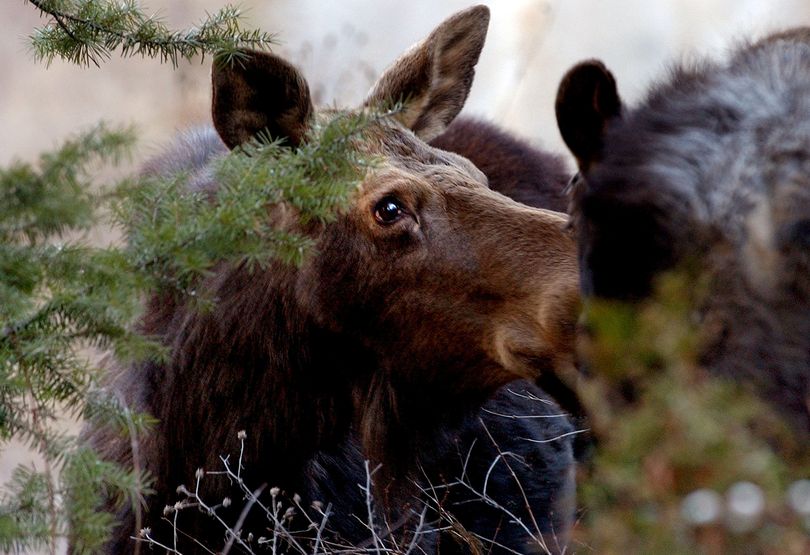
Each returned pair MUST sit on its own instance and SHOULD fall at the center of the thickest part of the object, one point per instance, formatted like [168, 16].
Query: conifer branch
[89, 31]
[55, 299]
[58, 296]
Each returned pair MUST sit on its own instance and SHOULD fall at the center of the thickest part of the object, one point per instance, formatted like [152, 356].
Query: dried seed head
[297, 499]
[274, 492]
[226, 502]
[199, 473]
[242, 434]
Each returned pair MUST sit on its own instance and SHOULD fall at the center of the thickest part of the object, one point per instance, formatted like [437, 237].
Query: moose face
[447, 277]
[447, 282]
[706, 170]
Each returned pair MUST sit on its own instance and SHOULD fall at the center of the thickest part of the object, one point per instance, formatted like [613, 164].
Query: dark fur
[712, 167]
[514, 167]
[306, 443]
[402, 343]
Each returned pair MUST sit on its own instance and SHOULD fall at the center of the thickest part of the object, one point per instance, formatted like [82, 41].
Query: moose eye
[388, 210]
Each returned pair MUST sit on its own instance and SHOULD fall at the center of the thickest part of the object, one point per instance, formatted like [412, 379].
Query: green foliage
[89, 31]
[176, 235]
[38, 203]
[62, 299]
[54, 294]
[88, 483]
[58, 296]
[61, 295]
[664, 428]
[25, 514]
[29, 517]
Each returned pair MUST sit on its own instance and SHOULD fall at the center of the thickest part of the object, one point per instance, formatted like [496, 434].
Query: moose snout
[537, 271]
[536, 333]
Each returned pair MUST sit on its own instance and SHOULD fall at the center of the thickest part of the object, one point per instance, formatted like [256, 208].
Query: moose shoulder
[712, 166]
[411, 337]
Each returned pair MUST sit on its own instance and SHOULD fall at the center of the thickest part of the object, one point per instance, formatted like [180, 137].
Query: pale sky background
[342, 47]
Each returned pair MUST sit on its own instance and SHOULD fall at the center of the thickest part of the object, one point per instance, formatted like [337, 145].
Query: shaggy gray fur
[717, 159]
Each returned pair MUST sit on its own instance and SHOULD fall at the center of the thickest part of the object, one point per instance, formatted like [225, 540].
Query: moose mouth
[545, 371]
[529, 350]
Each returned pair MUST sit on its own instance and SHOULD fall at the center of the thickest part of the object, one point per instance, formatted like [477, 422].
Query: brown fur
[239, 112]
[435, 76]
[389, 338]
[513, 166]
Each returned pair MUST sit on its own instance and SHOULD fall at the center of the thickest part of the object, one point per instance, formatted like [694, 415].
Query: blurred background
[343, 46]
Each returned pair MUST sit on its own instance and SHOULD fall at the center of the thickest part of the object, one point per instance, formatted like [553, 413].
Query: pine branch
[176, 236]
[56, 195]
[55, 299]
[90, 31]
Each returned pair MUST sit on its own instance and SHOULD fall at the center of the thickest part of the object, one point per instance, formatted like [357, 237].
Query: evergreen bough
[58, 297]
[63, 300]
[90, 31]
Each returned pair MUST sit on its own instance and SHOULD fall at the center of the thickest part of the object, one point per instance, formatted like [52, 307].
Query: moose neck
[258, 344]
[408, 419]
[264, 367]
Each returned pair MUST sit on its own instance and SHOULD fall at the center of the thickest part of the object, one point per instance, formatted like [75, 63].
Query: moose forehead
[398, 152]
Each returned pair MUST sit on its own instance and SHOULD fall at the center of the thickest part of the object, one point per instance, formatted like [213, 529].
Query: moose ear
[261, 92]
[586, 101]
[434, 77]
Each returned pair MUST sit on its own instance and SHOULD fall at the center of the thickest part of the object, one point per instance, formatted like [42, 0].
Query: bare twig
[254, 496]
[369, 507]
[136, 466]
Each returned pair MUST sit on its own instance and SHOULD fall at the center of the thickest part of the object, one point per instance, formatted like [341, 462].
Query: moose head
[706, 170]
[451, 288]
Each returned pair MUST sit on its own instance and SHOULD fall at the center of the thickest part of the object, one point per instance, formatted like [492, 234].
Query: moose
[513, 166]
[711, 169]
[414, 336]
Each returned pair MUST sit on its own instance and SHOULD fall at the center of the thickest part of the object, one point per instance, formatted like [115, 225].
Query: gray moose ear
[587, 100]
[434, 76]
[261, 92]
